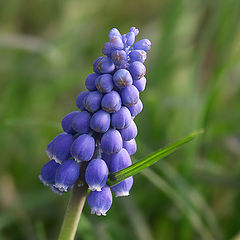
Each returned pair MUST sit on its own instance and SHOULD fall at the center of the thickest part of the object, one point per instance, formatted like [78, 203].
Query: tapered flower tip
[67, 122]
[144, 44]
[104, 83]
[80, 122]
[137, 70]
[100, 202]
[129, 95]
[80, 99]
[122, 78]
[135, 30]
[103, 65]
[130, 146]
[130, 132]
[90, 81]
[92, 101]
[114, 32]
[111, 141]
[140, 84]
[48, 172]
[96, 174]
[119, 161]
[111, 102]
[122, 189]
[121, 119]
[83, 148]
[66, 175]
[116, 42]
[59, 148]
[136, 109]
[100, 121]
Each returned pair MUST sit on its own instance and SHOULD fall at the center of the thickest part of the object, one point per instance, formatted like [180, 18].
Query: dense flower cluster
[103, 132]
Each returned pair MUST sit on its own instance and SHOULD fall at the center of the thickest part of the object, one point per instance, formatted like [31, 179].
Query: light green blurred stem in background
[73, 212]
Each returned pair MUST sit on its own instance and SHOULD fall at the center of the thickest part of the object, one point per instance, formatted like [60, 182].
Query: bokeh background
[193, 72]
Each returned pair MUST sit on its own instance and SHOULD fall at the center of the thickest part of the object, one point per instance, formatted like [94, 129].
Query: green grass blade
[137, 167]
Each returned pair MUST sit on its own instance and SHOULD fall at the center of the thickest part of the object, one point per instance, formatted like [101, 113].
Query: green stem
[73, 212]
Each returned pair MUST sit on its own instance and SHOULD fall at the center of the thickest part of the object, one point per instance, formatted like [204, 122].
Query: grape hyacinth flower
[99, 138]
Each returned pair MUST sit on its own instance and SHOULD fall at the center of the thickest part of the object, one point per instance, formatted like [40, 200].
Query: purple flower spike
[111, 102]
[137, 70]
[67, 122]
[83, 148]
[48, 172]
[121, 119]
[138, 55]
[130, 146]
[143, 44]
[92, 101]
[100, 202]
[111, 141]
[122, 78]
[81, 121]
[66, 175]
[136, 109]
[129, 95]
[80, 99]
[60, 147]
[90, 81]
[119, 161]
[140, 84]
[100, 121]
[130, 132]
[96, 174]
[122, 189]
[104, 83]
[103, 65]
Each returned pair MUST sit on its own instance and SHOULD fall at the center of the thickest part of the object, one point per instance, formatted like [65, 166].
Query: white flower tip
[122, 194]
[61, 187]
[95, 188]
[43, 181]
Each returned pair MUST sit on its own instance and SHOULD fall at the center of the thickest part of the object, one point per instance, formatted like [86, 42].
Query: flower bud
[106, 50]
[129, 95]
[121, 119]
[96, 174]
[90, 81]
[140, 84]
[143, 44]
[122, 189]
[122, 78]
[83, 148]
[48, 172]
[136, 109]
[135, 30]
[130, 146]
[130, 132]
[100, 121]
[80, 99]
[119, 161]
[116, 42]
[100, 202]
[130, 38]
[67, 122]
[104, 83]
[137, 70]
[111, 102]
[138, 55]
[119, 58]
[92, 101]
[114, 32]
[111, 141]
[107, 158]
[59, 148]
[81, 122]
[66, 175]
[103, 65]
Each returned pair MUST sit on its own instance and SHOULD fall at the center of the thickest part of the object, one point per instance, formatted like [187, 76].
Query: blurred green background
[193, 72]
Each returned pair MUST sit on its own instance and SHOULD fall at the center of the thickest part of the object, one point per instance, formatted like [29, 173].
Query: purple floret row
[102, 134]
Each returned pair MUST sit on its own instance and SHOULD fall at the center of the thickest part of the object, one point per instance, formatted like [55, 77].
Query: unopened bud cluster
[103, 132]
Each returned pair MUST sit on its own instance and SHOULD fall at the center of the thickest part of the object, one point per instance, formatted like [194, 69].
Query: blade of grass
[137, 167]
